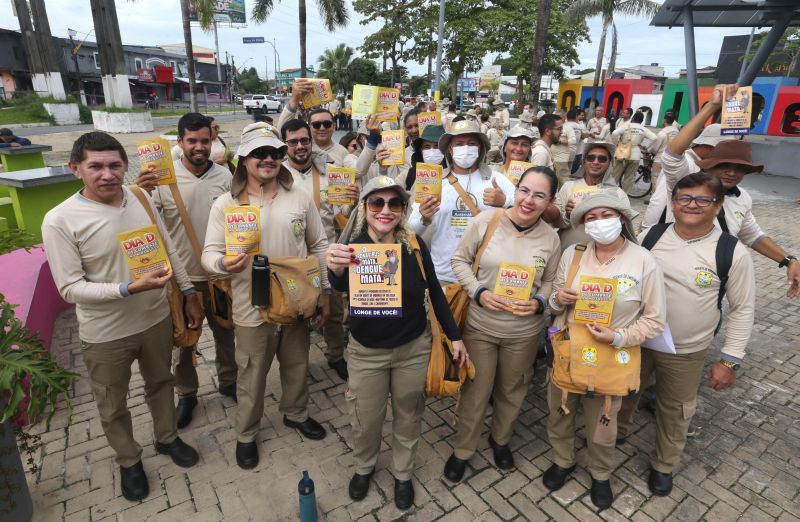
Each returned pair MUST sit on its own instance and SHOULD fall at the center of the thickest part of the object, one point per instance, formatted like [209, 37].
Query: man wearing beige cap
[501, 113]
[290, 227]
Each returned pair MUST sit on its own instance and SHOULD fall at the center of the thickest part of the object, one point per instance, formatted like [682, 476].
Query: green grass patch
[26, 109]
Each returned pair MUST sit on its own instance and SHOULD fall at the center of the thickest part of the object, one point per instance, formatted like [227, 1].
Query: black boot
[228, 390]
[184, 411]
[310, 428]
[454, 468]
[503, 458]
[134, 482]
[403, 494]
[359, 486]
[601, 494]
[247, 454]
[555, 476]
[660, 483]
[182, 454]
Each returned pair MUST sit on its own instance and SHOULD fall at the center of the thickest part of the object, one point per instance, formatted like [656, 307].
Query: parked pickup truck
[263, 103]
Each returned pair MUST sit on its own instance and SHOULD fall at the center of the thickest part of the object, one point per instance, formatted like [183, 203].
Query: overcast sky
[156, 22]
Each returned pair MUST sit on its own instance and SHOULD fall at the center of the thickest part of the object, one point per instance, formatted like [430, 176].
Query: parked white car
[263, 103]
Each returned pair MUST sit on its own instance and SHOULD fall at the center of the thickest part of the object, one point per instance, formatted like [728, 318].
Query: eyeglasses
[377, 204]
[267, 152]
[590, 158]
[319, 124]
[702, 201]
[537, 196]
[298, 141]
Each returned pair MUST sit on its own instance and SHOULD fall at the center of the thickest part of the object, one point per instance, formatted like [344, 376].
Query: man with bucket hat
[730, 161]
[290, 227]
[501, 112]
[469, 187]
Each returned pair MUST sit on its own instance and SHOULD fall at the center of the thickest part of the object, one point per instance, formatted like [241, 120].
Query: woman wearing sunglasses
[502, 335]
[595, 173]
[389, 355]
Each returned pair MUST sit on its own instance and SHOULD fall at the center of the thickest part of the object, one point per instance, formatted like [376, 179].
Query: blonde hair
[403, 231]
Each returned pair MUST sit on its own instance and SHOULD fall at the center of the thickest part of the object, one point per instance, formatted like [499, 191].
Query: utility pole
[438, 86]
[74, 51]
[216, 46]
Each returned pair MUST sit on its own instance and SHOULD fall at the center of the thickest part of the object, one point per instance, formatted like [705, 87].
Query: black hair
[546, 172]
[669, 117]
[452, 107]
[548, 121]
[410, 113]
[629, 109]
[295, 125]
[318, 110]
[193, 121]
[346, 139]
[459, 118]
[638, 117]
[572, 114]
[97, 141]
[260, 116]
[6, 132]
[422, 106]
[701, 179]
[612, 122]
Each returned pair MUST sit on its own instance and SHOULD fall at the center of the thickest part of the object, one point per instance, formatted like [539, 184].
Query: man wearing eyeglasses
[596, 170]
[687, 253]
[309, 171]
[320, 120]
[290, 226]
[730, 161]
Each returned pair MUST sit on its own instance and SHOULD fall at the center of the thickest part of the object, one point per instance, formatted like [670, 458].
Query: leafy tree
[332, 12]
[583, 9]
[785, 55]
[335, 65]
[398, 75]
[249, 82]
[418, 84]
[468, 26]
[364, 72]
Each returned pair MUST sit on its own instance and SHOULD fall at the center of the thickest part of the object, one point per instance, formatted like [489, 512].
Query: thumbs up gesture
[494, 196]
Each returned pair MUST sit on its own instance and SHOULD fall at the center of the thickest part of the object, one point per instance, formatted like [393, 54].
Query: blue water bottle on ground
[308, 500]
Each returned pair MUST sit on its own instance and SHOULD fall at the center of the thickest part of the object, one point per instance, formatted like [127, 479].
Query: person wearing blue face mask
[469, 187]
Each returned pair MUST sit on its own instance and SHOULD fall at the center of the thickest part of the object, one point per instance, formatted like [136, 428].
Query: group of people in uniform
[563, 227]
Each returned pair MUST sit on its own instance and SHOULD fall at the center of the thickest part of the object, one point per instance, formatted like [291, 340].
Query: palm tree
[333, 13]
[582, 9]
[335, 64]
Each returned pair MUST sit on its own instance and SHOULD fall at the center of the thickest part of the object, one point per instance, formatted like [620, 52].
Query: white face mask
[434, 156]
[604, 231]
[465, 156]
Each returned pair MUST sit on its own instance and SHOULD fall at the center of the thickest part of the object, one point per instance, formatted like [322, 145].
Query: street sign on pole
[252, 39]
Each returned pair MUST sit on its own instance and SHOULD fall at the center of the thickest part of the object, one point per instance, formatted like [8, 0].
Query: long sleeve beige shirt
[640, 308]
[198, 194]
[692, 287]
[290, 226]
[634, 133]
[566, 148]
[537, 247]
[663, 138]
[89, 266]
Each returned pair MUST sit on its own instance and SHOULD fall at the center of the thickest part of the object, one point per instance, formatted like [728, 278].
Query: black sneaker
[182, 454]
[341, 368]
[184, 410]
[134, 482]
[359, 486]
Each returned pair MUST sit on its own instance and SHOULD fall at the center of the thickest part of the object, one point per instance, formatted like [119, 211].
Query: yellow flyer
[395, 142]
[737, 109]
[338, 180]
[428, 182]
[144, 251]
[428, 118]
[514, 283]
[595, 300]
[156, 152]
[578, 193]
[516, 169]
[321, 92]
[371, 99]
[242, 230]
[376, 286]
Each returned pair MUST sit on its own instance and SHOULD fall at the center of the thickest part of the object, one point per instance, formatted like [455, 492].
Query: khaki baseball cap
[259, 134]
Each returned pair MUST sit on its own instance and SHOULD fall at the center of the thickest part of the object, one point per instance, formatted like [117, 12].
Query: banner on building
[225, 11]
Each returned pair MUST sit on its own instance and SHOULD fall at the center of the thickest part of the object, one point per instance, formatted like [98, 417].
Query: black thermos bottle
[260, 290]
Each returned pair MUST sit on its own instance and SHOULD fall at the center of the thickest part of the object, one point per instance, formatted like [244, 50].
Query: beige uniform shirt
[565, 149]
[327, 212]
[576, 189]
[638, 133]
[335, 152]
[540, 155]
[640, 307]
[595, 126]
[290, 226]
[88, 266]
[198, 194]
[663, 138]
[692, 287]
[536, 247]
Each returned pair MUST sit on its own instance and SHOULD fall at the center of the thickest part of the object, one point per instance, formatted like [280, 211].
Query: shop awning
[183, 79]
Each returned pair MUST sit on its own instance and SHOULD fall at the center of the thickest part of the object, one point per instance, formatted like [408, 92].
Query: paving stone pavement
[743, 465]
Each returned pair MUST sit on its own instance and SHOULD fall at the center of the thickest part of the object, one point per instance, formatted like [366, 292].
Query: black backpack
[723, 257]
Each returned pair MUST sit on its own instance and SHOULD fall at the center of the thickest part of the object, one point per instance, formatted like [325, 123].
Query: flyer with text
[371, 99]
[595, 300]
[516, 169]
[737, 108]
[428, 182]
[321, 92]
[144, 251]
[338, 180]
[428, 118]
[514, 283]
[578, 193]
[157, 152]
[376, 286]
[242, 230]
[395, 142]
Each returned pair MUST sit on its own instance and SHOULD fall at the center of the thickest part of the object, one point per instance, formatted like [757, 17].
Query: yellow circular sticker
[622, 357]
[589, 354]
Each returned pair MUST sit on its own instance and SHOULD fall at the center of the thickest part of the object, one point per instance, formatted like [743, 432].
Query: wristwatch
[786, 260]
[730, 364]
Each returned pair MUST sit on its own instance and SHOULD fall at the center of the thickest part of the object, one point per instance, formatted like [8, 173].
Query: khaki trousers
[109, 366]
[333, 331]
[625, 170]
[256, 347]
[375, 373]
[600, 439]
[224, 342]
[654, 175]
[563, 171]
[677, 380]
[503, 371]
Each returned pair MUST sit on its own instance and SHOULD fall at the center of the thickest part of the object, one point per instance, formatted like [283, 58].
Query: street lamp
[72, 34]
[277, 59]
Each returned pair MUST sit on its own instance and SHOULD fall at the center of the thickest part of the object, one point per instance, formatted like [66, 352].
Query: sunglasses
[298, 141]
[267, 152]
[590, 158]
[377, 204]
[319, 124]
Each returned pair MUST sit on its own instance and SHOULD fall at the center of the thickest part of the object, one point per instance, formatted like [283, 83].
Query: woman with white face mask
[639, 313]
[426, 150]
